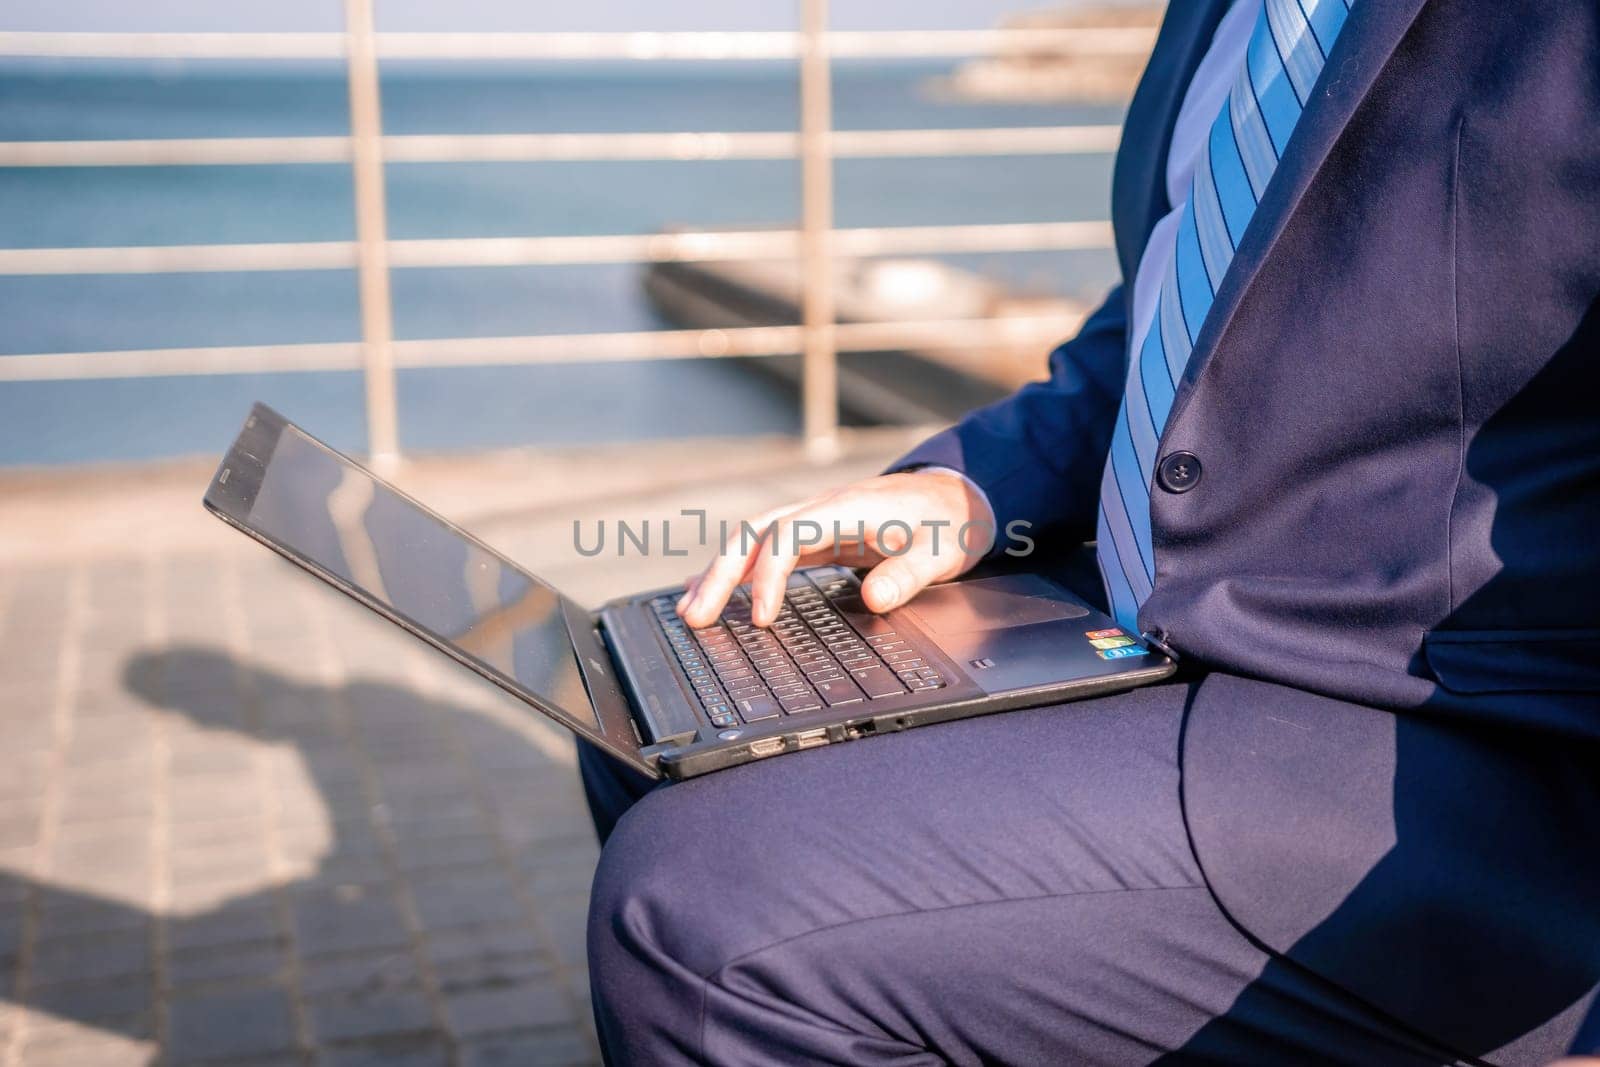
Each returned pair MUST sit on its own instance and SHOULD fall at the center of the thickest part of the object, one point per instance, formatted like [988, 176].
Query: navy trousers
[1015, 889]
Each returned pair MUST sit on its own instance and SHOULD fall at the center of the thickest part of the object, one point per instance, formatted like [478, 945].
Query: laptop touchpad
[991, 604]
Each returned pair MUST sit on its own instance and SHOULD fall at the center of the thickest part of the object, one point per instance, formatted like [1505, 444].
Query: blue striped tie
[1290, 42]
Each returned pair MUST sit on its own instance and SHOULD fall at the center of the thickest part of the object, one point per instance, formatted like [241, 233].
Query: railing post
[377, 318]
[820, 390]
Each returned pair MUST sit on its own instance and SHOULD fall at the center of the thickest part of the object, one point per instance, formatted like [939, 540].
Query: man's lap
[1015, 888]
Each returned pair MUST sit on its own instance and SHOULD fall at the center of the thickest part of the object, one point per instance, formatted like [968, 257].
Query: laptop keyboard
[814, 655]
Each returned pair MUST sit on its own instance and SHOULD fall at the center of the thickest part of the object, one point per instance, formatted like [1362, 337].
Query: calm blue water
[457, 409]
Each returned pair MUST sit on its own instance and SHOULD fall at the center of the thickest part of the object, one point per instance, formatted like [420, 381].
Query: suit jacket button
[1179, 472]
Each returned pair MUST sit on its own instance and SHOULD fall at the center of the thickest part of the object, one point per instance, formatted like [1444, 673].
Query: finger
[900, 577]
[862, 520]
[728, 569]
[795, 536]
[690, 584]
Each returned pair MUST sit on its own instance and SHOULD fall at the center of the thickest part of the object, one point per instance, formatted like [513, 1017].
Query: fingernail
[683, 602]
[885, 590]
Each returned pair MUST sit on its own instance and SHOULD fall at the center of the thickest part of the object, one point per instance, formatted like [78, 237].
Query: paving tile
[466, 943]
[406, 809]
[124, 1005]
[80, 805]
[369, 1012]
[244, 859]
[15, 863]
[238, 800]
[409, 1051]
[565, 921]
[303, 798]
[65, 915]
[214, 832]
[392, 969]
[345, 873]
[236, 924]
[23, 779]
[196, 896]
[236, 1023]
[467, 974]
[91, 1048]
[31, 660]
[462, 821]
[253, 962]
[431, 855]
[439, 778]
[18, 830]
[560, 868]
[337, 761]
[78, 958]
[347, 919]
[565, 1047]
[27, 728]
[525, 1005]
[111, 707]
[108, 743]
[199, 672]
[470, 899]
[135, 773]
[10, 945]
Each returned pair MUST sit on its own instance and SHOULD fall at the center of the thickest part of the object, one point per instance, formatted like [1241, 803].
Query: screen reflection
[353, 526]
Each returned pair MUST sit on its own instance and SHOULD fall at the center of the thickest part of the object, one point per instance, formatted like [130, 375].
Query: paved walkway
[243, 822]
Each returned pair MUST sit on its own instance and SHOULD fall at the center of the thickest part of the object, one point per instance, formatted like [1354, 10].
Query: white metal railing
[929, 334]
[684, 247]
[373, 255]
[560, 147]
[687, 45]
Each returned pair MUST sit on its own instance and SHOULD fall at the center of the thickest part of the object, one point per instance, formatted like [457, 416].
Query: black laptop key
[865, 622]
[877, 682]
[799, 702]
[841, 691]
[757, 708]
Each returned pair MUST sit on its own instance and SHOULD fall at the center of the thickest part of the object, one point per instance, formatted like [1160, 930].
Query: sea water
[467, 408]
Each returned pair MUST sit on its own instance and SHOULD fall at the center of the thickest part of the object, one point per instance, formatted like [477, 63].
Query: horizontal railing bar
[556, 251]
[751, 341]
[850, 44]
[561, 147]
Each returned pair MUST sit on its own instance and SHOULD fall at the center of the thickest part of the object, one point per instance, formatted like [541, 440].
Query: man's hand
[912, 529]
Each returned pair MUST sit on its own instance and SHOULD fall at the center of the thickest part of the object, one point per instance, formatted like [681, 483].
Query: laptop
[633, 678]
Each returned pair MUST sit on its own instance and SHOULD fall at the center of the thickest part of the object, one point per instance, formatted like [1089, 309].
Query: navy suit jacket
[1392, 766]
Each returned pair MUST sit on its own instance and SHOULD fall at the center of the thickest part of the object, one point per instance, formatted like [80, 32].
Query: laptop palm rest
[1011, 632]
[985, 604]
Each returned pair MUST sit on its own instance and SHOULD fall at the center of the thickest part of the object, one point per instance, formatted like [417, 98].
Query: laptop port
[767, 746]
[812, 738]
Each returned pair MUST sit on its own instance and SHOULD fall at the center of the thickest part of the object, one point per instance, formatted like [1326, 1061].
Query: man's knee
[653, 934]
[644, 910]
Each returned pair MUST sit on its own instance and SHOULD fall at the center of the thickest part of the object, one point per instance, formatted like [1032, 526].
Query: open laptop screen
[418, 566]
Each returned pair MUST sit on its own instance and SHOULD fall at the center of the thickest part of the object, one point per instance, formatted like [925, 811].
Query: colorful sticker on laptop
[1123, 653]
[1094, 635]
[1111, 642]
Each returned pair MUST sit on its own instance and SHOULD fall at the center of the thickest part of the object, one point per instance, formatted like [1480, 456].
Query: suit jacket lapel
[1375, 30]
